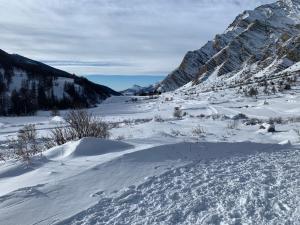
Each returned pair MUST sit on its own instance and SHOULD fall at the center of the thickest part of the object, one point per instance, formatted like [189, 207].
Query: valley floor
[205, 168]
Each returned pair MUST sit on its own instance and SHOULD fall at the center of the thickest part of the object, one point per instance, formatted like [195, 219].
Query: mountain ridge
[268, 34]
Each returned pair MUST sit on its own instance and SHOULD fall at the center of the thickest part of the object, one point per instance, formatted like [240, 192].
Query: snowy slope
[172, 184]
[187, 183]
[163, 172]
[247, 187]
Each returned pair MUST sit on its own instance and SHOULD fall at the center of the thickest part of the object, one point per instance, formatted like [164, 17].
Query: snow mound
[86, 147]
[198, 151]
[57, 119]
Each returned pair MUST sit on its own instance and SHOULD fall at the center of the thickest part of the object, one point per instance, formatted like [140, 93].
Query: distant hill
[27, 86]
[138, 90]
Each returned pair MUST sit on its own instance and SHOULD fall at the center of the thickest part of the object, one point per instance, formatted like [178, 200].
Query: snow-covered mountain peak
[264, 39]
[291, 3]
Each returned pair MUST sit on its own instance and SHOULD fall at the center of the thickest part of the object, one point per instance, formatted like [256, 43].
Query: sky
[123, 37]
[123, 82]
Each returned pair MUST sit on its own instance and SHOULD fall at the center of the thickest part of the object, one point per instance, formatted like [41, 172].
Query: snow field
[248, 188]
[164, 171]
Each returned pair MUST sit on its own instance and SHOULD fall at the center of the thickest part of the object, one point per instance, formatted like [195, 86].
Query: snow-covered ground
[205, 168]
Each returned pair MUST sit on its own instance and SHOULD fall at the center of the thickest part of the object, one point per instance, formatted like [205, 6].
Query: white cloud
[126, 36]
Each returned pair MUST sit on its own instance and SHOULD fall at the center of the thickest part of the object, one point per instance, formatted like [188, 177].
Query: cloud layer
[114, 36]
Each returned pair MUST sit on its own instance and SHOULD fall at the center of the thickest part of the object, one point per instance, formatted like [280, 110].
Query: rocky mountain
[27, 86]
[139, 90]
[259, 44]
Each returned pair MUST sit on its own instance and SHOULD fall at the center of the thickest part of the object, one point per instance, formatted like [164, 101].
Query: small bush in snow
[178, 113]
[287, 87]
[234, 124]
[215, 116]
[271, 128]
[274, 90]
[201, 116]
[262, 127]
[134, 99]
[168, 99]
[240, 116]
[25, 145]
[2, 157]
[253, 121]
[295, 119]
[199, 131]
[176, 133]
[158, 118]
[120, 138]
[277, 120]
[219, 116]
[252, 92]
[297, 131]
[60, 136]
[79, 124]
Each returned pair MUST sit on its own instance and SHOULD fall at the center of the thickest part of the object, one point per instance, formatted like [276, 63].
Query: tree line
[36, 95]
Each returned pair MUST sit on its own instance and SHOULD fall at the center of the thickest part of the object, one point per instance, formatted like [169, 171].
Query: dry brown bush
[79, 124]
[25, 145]
[178, 113]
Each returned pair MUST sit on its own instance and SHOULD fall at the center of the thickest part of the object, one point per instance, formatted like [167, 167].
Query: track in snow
[260, 188]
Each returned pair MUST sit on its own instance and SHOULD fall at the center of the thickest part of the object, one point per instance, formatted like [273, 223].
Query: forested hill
[27, 86]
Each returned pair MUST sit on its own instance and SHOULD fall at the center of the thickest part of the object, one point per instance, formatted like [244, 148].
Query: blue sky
[122, 82]
[141, 37]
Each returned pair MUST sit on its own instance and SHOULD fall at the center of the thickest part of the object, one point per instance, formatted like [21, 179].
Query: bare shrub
[25, 145]
[294, 119]
[240, 116]
[253, 121]
[216, 116]
[201, 116]
[176, 133]
[2, 157]
[271, 128]
[79, 124]
[60, 136]
[178, 112]
[277, 120]
[266, 102]
[287, 87]
[120, 138]
[297, 131]
[252, 92]
[266, 90]
[168, 99]
[199, 131]
[158, 118]
[274, 90]
[234, 124]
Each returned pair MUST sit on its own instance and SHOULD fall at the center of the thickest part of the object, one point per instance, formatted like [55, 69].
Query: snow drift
[86, 147]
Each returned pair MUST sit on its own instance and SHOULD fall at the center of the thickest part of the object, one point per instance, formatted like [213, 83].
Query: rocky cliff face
[27, 86]
[258, 43]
